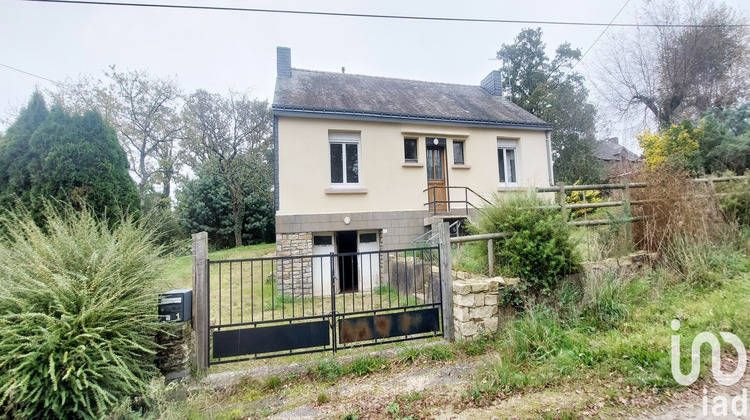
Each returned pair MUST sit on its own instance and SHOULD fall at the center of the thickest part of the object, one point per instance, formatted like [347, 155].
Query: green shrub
[736, 204]
[77, 314]
[539, 249]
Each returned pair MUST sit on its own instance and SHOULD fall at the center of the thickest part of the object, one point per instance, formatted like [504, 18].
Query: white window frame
[508, 144]
[344, 138]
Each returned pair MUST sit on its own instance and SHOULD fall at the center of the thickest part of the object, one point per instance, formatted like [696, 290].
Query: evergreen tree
[550, 90]
[54, 156]
[205, 204]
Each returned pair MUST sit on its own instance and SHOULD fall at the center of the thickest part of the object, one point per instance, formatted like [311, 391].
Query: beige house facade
[369, 163]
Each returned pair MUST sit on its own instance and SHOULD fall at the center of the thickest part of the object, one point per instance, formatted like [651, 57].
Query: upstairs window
[344, 151]
[507, 161]
[458, 152]
[410, 150]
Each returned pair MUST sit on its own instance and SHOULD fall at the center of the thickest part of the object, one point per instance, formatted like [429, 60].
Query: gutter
[280, 110]
[548, 141]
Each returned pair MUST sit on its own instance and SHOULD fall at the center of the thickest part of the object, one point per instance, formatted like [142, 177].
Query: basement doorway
[346, 242]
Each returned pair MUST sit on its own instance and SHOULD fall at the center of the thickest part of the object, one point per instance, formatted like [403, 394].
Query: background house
[355, 156]
[617, 159]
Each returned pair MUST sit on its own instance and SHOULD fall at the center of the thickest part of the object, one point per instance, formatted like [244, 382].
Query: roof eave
[281, 110]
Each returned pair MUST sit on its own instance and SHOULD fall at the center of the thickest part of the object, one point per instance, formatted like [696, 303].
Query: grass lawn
[178, 272]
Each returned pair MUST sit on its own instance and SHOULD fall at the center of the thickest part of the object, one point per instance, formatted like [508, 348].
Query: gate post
[200, 301]
[446, 281]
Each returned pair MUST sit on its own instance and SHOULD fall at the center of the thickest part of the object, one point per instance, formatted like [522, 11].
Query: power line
[30, 74]
[384, 16]
[597, 38]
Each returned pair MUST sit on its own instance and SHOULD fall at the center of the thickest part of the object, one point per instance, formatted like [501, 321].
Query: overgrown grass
[621, 326]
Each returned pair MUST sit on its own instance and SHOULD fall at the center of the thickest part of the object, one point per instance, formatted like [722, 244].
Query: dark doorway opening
[346, 242]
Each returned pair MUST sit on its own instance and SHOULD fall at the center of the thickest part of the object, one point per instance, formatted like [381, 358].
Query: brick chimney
[283, 62]
[492, 83]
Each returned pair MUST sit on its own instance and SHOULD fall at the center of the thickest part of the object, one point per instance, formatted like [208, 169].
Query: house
[616, 159]
[368, 163]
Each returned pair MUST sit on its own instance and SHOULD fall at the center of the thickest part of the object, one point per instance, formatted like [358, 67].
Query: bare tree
[696, 59]
[145, 110]
[233, 134]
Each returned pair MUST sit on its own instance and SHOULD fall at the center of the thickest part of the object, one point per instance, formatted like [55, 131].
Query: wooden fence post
[626, 212]
[561, 200]
[491, 256]
[446, 281]
[200, 301]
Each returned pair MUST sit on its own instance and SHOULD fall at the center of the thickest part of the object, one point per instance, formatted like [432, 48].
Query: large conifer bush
[77, 314]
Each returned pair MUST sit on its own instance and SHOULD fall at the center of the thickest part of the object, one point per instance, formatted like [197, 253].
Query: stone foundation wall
[294, 275]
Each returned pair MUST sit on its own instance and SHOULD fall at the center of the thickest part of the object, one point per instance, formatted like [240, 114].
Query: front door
[436, 191]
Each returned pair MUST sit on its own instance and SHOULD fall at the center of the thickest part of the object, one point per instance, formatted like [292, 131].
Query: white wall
[304, 164]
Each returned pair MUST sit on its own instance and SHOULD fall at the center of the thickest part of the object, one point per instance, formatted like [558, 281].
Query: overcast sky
[218, 50]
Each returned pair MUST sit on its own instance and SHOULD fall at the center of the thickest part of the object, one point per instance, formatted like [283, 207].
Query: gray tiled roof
[357, 96]
[610, 151]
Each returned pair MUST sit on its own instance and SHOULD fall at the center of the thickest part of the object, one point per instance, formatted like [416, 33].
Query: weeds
[364, 365]
[272, 383]
[476, 346]
[605, 299]
[328, 370]
[323, 398]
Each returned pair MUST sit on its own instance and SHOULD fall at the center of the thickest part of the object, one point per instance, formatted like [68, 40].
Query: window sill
[346, 190]
[460, 166]
[412, 165]
[511, 188]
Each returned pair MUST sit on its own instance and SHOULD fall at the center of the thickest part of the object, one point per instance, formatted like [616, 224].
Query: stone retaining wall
[476, 307]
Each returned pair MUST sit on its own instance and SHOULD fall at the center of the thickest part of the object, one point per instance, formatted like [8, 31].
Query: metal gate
[280, 306]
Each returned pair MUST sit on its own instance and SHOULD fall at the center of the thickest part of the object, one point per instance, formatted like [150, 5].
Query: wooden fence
[562, 205]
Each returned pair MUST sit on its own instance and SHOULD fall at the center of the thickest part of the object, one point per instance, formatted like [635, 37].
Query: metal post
[200, 301]
[333, 303]
[561, 200]
[446, 281]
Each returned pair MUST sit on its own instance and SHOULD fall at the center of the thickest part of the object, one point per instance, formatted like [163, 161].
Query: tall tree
[15, 179]
[550, 90]
[673, 73]
[145, 110]
[52, 155]
[232, 133]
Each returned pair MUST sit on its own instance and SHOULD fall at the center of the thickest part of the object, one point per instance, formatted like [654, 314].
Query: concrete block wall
[397, 228]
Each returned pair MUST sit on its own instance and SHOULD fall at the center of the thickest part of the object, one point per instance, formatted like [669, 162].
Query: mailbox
[176, 305]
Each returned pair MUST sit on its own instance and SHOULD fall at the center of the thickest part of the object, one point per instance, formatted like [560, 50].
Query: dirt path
[429, 389]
